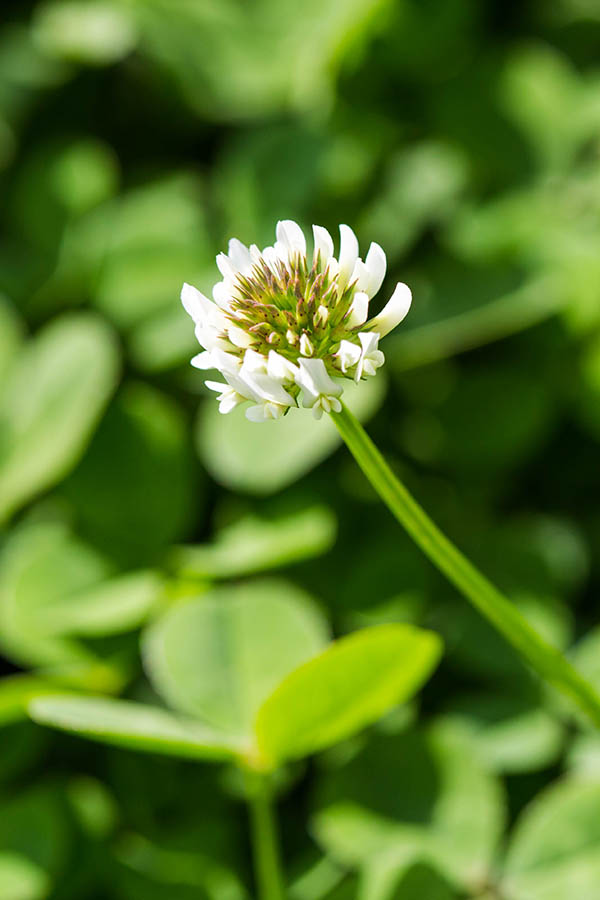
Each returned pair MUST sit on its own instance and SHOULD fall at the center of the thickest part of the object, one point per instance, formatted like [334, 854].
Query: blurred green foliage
[136, 137]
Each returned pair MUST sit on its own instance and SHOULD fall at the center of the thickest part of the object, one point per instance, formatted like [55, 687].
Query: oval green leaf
[254, 544]
[218, 657]
[348, 686]
[144, 499]
[53, 587]
[134, 725]
[51, 402]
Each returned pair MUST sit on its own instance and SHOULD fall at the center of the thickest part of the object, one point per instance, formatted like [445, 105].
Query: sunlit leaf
[15, 693]
[348, 686]
[22, 879]
[96, 33]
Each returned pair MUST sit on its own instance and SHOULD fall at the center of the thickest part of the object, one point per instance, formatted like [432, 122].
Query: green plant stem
[265, 843]
[546, 660]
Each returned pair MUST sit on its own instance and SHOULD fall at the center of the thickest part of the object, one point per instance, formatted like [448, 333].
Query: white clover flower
[286, 328]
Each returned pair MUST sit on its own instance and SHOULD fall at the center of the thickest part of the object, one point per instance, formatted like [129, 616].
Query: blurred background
[136, 137]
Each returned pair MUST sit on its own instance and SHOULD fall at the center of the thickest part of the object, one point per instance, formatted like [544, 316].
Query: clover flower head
[288, 329]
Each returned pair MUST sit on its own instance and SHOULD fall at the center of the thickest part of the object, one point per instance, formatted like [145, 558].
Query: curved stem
[546, 660]
[265, 844]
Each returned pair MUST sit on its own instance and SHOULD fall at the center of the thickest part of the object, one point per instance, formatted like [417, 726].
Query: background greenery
[136, 137]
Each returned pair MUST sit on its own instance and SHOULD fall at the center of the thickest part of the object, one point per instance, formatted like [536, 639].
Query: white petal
[239, 255]
[376, 263]
[272, 259]
[203, 360]
[195, 303]
[323, 244]
[229, 401]
[348, 254]
[238, 336]
[291, 236]
[348, 354]
[314, 379]
[254, 361]
[361, 277]
[267, 388]
[393, 312]
[217, 386]
[225, 267]
[257, 413]
[306, 347]
[222, 292]
[279, 367]
[226, 363]
[368, 341]
[359, 310]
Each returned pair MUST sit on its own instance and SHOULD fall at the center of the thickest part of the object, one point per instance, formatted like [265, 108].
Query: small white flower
[262, 412]
[371, 358]
[280, 368]
[364, 359]
[228, 396]
[348, 255]
[306, 347]
[348, 355]
[285, 324]
[394, 311]
[319, 391]
[359, 310]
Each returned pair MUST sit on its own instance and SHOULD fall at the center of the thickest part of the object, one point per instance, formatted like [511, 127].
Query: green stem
[504, 615]
[265, 844]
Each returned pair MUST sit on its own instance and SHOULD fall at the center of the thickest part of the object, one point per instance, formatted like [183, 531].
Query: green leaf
[513, 733]
[50, 404]
[158, 239]
[15, 693]
[118, 604]
[262, 460]
[201, 871]
[53, 587]
[254, 544]
[97, 33]
[143, 501]
[133, 725]
[348, 686]
[219, 656]
[417, 882]
[542, 93]
[555, 849]
[22, 879]
[413, 796]
[422, 185]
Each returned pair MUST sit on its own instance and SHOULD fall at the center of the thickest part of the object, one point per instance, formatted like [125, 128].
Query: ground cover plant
[227, 671]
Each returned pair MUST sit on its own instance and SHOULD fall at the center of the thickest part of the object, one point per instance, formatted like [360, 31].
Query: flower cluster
[286, 328]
